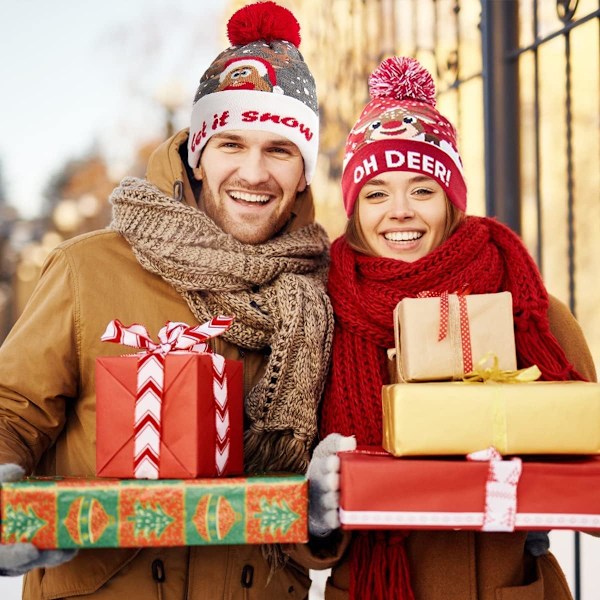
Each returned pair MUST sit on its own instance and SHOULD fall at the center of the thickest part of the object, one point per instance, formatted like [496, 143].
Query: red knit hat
[401, 130]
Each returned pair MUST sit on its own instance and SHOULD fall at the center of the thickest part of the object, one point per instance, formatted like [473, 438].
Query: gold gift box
[428, 419]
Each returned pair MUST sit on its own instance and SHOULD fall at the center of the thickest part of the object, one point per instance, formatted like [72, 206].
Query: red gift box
[379, 491]
[191, 424]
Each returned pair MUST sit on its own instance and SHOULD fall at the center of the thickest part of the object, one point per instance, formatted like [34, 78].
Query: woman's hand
[324, 484]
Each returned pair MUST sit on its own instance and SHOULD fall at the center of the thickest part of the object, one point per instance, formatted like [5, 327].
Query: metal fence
[505, 53]
[519, 39]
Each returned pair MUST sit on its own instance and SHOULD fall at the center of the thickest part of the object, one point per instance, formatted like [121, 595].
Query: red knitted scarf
[483, 254]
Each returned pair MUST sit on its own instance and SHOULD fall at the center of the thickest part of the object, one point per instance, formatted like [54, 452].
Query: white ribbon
[500, 490]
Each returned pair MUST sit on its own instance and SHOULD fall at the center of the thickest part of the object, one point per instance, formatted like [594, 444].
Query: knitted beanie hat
[260, 83]
[400, 130]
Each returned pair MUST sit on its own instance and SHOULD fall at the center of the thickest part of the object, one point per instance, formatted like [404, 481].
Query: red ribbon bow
[465, 330]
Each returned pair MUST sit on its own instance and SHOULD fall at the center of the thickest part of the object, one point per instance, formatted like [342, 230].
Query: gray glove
[537, 543]
[324, 484]
[17, 559]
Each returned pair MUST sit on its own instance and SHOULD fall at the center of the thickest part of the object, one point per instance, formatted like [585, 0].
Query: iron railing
[505, 56]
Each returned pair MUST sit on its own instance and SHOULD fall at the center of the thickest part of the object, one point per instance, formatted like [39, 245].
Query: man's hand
[324, 484]
[17, 559]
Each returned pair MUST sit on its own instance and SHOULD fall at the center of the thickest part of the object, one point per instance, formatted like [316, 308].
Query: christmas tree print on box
[22, 523]
[273, 512]
[82, 513]
[152, 513]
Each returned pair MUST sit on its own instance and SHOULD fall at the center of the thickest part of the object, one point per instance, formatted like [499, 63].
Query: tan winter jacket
[466, 565]
[47, 410]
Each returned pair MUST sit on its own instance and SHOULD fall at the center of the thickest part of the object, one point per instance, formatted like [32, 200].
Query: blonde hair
[357, 241]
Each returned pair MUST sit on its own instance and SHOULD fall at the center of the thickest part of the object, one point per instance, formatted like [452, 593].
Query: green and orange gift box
[110, 513]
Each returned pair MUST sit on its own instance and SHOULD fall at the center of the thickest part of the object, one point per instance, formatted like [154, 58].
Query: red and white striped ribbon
[500, 490]
[465, 330]
[173, 337]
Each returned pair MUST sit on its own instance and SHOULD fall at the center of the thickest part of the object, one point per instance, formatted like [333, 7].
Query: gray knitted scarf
[276, 291]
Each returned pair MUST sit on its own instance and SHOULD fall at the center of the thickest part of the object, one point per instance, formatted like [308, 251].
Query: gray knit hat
[260, 83]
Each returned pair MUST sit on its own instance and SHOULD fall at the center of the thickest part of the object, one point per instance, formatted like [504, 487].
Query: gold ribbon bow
[487, 371]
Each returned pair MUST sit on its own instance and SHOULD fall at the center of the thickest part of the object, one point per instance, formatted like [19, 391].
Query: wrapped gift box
[188, 435]
[103, 513]
[455, 418]
[485, 326]
[378, 491]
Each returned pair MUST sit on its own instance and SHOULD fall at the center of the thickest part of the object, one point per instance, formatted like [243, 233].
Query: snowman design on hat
[248, 73]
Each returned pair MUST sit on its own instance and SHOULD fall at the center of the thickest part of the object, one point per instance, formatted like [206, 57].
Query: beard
[248, 229]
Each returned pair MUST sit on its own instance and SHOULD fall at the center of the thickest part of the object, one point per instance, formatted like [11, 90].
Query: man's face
[249, 182]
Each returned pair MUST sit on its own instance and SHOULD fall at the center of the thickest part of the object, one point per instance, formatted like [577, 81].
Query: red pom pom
[400, 78]
[263, 21]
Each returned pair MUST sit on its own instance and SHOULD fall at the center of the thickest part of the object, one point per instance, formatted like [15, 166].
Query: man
[222, 224]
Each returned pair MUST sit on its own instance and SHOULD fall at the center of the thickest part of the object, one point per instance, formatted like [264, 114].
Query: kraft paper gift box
[188, 437]
[379, 491]
[470, 327]
[455, 418]
[104, 513]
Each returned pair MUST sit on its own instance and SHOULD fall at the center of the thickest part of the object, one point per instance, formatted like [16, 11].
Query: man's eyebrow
[233, 137]
[282, 142]
[228, 136]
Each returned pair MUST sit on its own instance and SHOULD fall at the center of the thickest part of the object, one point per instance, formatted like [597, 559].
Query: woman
[405, 197]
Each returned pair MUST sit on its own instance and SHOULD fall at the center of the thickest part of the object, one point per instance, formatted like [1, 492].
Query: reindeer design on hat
[248, 73]
[255, 70]
[397, 122]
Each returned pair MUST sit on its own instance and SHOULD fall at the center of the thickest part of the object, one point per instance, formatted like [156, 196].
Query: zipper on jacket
[159, 575]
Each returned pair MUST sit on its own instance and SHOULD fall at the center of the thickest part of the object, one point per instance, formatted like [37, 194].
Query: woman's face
[402, 215]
